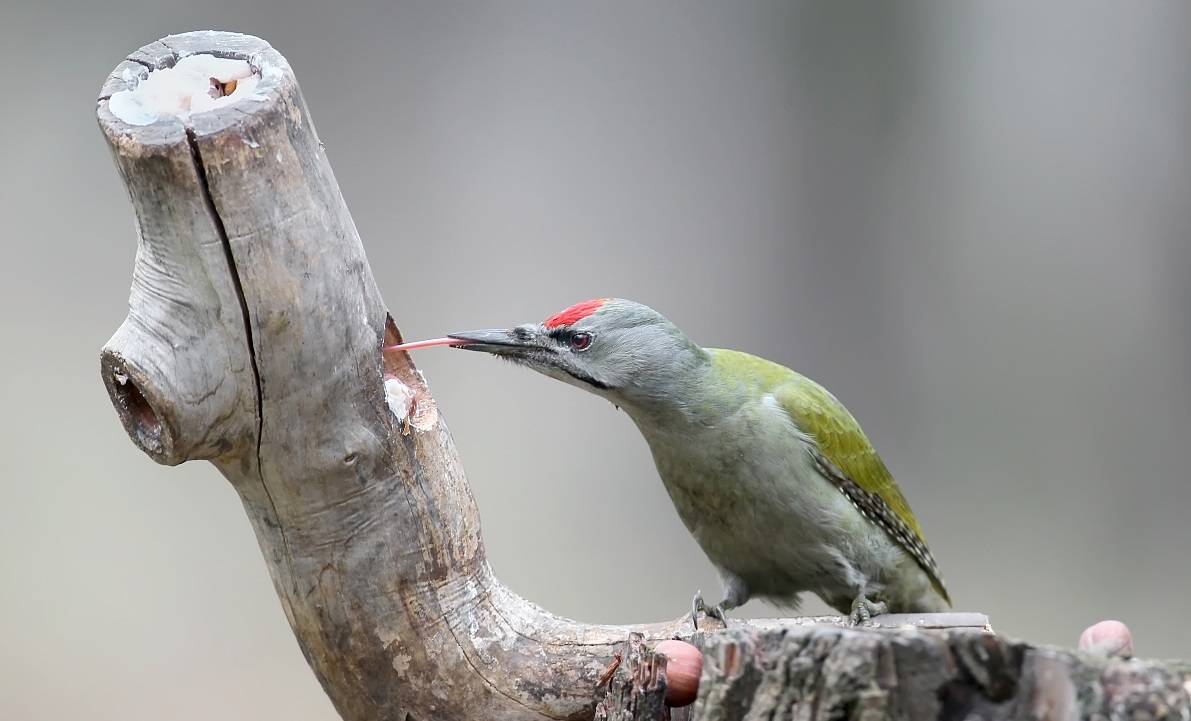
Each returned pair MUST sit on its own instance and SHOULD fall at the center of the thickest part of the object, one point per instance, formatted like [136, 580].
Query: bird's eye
[580, 341]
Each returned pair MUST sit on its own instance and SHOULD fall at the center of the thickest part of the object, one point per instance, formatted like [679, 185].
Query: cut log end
[194, 84]
[202, 82]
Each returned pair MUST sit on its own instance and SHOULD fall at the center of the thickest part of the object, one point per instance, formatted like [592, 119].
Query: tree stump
[253, 341]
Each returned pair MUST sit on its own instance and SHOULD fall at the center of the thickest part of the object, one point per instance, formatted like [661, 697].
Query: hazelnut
[684, 666]
[1107, 638]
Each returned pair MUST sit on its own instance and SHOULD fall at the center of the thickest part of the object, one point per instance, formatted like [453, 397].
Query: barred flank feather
[848, 459]
[874, 508]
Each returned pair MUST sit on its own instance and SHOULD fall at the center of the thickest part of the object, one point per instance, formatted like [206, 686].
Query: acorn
[684, 666]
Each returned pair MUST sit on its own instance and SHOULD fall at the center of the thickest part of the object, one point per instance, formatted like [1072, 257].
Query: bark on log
[822, 672]
[253, 341]
[636, 691]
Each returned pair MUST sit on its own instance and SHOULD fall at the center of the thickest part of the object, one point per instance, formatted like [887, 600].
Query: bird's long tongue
[415, 345]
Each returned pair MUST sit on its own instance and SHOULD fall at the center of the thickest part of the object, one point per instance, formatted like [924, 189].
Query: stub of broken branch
[635, 686]
[253, 340]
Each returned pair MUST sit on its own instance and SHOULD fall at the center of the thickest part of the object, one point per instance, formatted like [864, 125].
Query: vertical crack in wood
[225, 241]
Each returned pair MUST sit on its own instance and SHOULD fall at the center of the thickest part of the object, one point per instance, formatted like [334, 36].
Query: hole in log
[139, 417]
[221, 89]
[405, 390]
[195, 84]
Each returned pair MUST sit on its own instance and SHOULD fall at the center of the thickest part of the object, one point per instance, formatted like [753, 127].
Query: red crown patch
[575, 313]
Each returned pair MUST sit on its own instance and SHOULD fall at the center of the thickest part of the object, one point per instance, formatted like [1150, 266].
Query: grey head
[616, 348]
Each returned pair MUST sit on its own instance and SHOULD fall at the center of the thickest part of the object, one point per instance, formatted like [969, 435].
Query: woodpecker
[768, 471]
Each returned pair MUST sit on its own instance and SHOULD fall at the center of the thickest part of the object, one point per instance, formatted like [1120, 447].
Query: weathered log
[824, 672]
[253, 341]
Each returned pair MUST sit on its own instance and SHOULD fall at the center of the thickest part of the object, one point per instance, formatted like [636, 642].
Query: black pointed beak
[528, 344]
[500, 341]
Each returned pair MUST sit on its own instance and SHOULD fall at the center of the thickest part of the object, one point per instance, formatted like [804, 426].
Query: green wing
[842, 442]
[844, 453]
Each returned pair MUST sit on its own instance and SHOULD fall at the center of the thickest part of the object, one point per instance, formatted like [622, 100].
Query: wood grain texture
[253, 341]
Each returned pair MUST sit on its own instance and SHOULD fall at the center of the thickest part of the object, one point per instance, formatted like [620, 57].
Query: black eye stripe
[577, 339]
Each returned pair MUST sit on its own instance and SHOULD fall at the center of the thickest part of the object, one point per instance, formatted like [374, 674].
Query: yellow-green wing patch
[844, 454]
[821, 416]
[848, 459]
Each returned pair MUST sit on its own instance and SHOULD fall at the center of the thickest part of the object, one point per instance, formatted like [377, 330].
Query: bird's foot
[863, 610]
[699, 606]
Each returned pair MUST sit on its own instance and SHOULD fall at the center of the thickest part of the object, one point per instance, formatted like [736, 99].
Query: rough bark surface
[253, 341]
[822, 672]
[636, 690]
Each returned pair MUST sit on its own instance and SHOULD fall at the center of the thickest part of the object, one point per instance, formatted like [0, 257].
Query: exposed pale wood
[253, 341]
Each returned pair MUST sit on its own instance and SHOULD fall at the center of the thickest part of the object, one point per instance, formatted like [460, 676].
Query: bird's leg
[735, 595]
[698, 605]
[863, 610]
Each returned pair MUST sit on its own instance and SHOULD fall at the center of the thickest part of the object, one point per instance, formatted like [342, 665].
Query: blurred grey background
[971, 221]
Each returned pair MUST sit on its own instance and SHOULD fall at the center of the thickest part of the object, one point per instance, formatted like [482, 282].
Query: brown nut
[684, 666]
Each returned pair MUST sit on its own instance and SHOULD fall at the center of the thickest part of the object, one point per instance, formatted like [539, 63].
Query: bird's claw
[698, 605]
[863, 610]
[717, 612]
